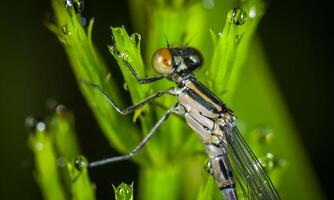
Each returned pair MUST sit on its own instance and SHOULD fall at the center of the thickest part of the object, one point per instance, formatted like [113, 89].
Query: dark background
[34, 67]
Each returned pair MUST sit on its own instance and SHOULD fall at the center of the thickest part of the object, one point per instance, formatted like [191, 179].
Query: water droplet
[51, 104]
[78, 5]
[220, 34]
[208, 4]
[33, 124]
[117, 30]
[30, 122]
[61, 162]
[264, 135]
[65, 30]
[270, 155]
[238, 37]
[39, 146]
[208, 167]
[83, 21]
[237, 16]
[135, 38]
[124, 55]
[125, 86]
[40, 126]
[108, 77]
[80, 163]
[270, 162]
[60, 109]
[252, 12]
[210, 84]
[113, 50]
[68, 3]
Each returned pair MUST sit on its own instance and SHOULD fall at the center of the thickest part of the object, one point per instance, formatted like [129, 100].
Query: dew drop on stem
[252, 12]
[80, 162]
[112, 50]
[135, 38]
[35, 124]
[237, 16]
[65, 30]
[125, 87]
[124, 55]
[78, 5]
[264, 135]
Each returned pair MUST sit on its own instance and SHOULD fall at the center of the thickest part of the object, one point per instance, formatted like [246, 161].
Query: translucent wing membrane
[250, 176]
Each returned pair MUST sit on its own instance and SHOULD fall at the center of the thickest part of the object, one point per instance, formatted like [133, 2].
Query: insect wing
[248, 171]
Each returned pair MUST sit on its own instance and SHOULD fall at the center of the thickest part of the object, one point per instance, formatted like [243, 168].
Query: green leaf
[47, 172]
[81, 188]
[61, 127]
[88, 65]
[55, 148]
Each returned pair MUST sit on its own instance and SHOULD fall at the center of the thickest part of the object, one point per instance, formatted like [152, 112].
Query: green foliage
[170, 166]
[55, 147]
[123, 192]
[47, 172]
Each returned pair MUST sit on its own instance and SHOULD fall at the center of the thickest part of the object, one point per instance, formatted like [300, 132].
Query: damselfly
[231, 161]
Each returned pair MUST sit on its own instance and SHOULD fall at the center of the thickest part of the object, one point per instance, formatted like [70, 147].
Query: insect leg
[129, 109]
[137, 148]
[127, 64]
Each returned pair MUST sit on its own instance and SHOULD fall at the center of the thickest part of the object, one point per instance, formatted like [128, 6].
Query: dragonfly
[231, 161]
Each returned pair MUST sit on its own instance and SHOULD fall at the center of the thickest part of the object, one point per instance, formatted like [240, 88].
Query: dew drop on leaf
[65, 30]
[135, 38]
[78, 5]
[264, 135]
[239, 37]
[61, 162]
[270, 162]
[40, 126]
[83, 21]
[237, 16]
[80, 162]
[252, 12]
[124, 55]
[125, 87]
[117, 30]
[113, 50]
[33, 124]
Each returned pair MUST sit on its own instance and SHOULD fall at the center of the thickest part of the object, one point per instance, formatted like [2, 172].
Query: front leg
[128, 65]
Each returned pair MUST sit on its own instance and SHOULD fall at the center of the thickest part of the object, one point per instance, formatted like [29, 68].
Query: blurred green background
[34, 67]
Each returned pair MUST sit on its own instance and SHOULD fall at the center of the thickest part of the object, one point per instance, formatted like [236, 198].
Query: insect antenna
[167, 43]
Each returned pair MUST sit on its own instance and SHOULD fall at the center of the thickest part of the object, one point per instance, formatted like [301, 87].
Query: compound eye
[162, 61]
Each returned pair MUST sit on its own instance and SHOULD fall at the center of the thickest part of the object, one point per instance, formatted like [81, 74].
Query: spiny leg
[130, 108]
[139, 79]
[137, 148]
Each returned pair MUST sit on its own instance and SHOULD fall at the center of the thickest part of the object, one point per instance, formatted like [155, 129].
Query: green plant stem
[243, 84]
[47, 172]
